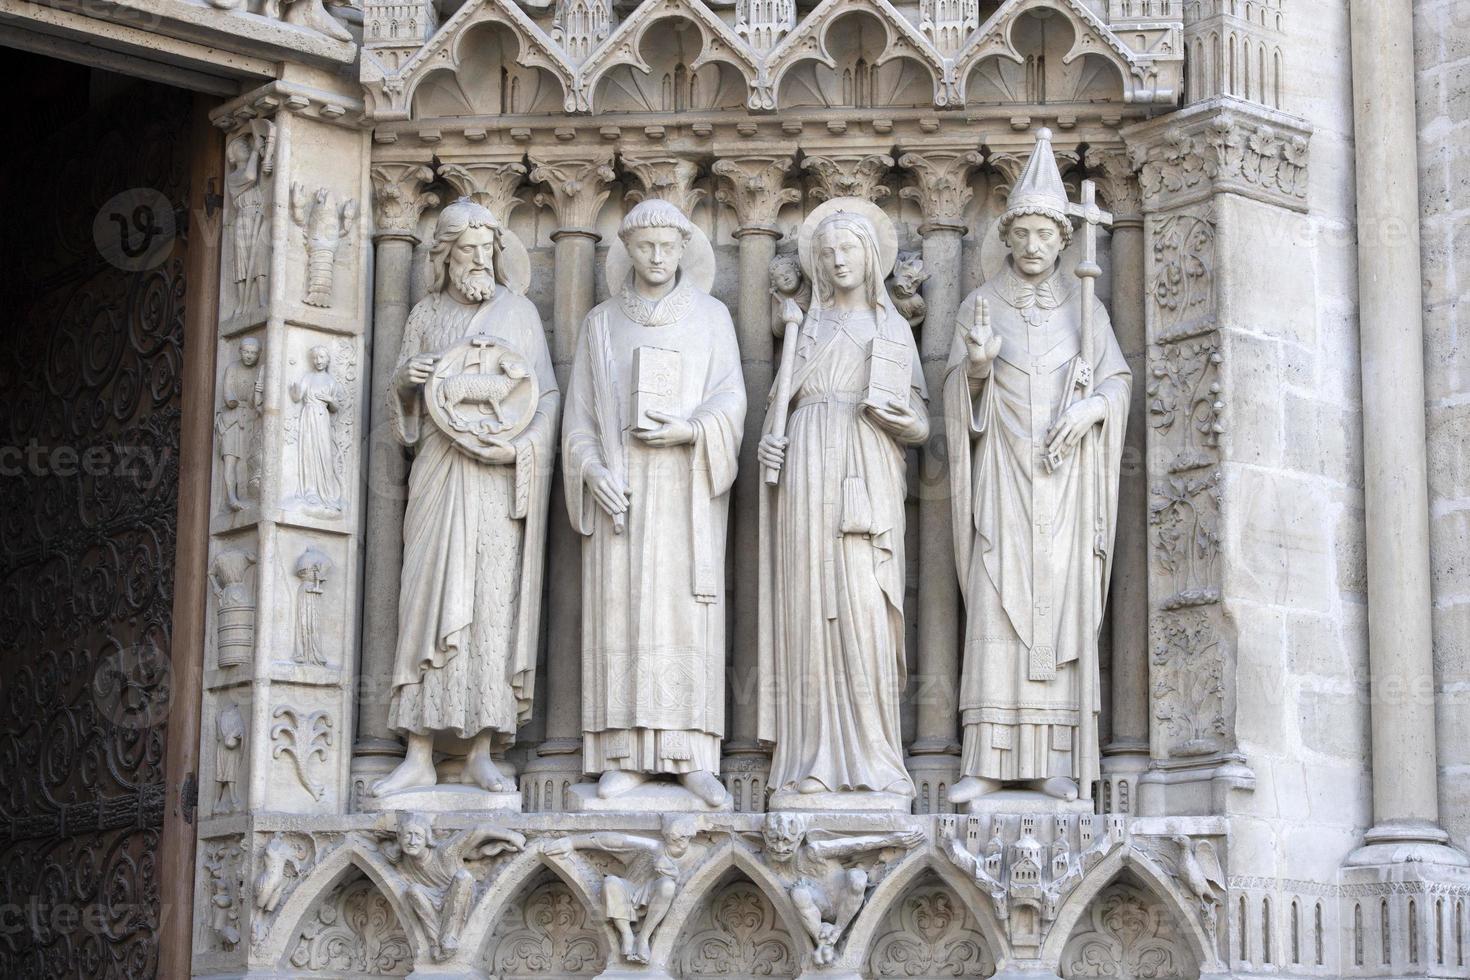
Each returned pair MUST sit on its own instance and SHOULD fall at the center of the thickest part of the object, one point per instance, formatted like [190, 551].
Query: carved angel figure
[652, 870]
[827, 879]
[436, 884]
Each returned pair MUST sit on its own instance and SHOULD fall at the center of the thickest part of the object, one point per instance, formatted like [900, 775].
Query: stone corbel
[399, 197]
[576, 188]
[941, 185]
[493, 184]
[755, 187]
[849, 175]
[665, 178]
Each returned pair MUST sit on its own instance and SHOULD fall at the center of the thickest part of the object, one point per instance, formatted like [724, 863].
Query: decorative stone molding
[849, 175]
[399, 198]
[930, 933]
[575, 190]
[668, 178]
[1117, 183]
[491, 184]
[941, 185]
[1225, 145]
[754, 186]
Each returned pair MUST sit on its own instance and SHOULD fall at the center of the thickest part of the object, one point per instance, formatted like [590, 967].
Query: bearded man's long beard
[477, 285]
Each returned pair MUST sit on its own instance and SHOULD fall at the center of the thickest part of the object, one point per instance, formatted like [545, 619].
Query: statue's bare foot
[1057, 786]
[644, 951]
[411, 773]
[236, 503]
[972, 788]
[703, 784]
[616, 782]
[480, 770]
[811, 784]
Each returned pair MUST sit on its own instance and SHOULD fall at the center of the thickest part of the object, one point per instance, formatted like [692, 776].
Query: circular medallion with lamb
[482, 394]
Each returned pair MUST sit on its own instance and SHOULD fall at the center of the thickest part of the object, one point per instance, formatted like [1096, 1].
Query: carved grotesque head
[1035, 241]
[466, 245]
[415, 834]
[679, 832]
[249, 351]
[655, 234]
[782, 834]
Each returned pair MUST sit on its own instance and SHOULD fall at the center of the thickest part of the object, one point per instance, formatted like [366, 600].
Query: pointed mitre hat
[1039, 190]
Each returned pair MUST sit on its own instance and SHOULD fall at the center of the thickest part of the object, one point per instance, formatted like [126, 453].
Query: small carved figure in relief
[229, 740]
[321, 397]
[325, 227]
[229, 577]
[475, 529]
[311, 568]
[237, 419]
[270, 881]
[908, 275]
[655, 414]
[249, 160]
[222, 865]
[832, 522]
[1036, 399]
[827, 879]
[1202, 878]
[787, 283]
[436, 884]
[652, 871]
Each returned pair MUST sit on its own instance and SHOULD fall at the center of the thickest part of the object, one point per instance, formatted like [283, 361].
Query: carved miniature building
[1284, 782]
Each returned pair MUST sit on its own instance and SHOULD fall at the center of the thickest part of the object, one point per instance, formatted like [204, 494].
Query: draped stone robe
[473, 540]
[832, 568]
[653, 596]
[1033, 547]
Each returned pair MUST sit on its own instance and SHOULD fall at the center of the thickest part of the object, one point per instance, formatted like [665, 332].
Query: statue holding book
[849, 400]
[655, 411]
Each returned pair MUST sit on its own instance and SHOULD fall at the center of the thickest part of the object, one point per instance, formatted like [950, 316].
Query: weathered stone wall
[1442, 60]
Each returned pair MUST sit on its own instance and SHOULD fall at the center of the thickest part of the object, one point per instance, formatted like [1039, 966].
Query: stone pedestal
[654, 796]
[445, 798]
[856, 802]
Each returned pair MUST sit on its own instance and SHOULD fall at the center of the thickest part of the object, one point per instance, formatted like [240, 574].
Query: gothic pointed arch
[1142, 78]
[545, 926]
[929, 931]
[624, 46]
[736, 930]
[812, 41]
[1128, 930]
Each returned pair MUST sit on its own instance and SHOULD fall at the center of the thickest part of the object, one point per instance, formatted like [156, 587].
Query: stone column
[1396, 493]
[399, 198]
[942, 190]
[1125, 753]
[754, 186]
[576, 188]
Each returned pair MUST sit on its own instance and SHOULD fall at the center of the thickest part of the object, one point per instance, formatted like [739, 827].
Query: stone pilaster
[287, 504]
[755, 188]
[399, 198]
[1217, 173]
[941, 188]
[576, 187]
[1125, 751]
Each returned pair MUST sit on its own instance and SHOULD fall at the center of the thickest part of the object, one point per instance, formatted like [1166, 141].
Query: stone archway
[929, 933]
[1128, 931]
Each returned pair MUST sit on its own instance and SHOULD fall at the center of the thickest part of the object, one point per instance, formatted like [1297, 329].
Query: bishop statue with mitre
[1036, 399]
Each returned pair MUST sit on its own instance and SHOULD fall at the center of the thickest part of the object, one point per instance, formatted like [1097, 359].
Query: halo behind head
[884, 232]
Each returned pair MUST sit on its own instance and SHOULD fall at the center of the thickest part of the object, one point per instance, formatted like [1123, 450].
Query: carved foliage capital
[492, 184]
[575, 187]
[399, 197]
[1117, 180]
[755, 188]
[665, 178]
[1255, 154]
[941, 185]
[849, 175]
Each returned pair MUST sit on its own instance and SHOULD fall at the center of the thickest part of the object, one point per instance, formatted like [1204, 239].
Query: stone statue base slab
[623, 971]
[444, 799]
[859, 802]
[654, 796]
[1023, 801]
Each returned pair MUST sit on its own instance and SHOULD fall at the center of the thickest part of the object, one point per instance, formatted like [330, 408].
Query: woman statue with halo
[848, 401]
